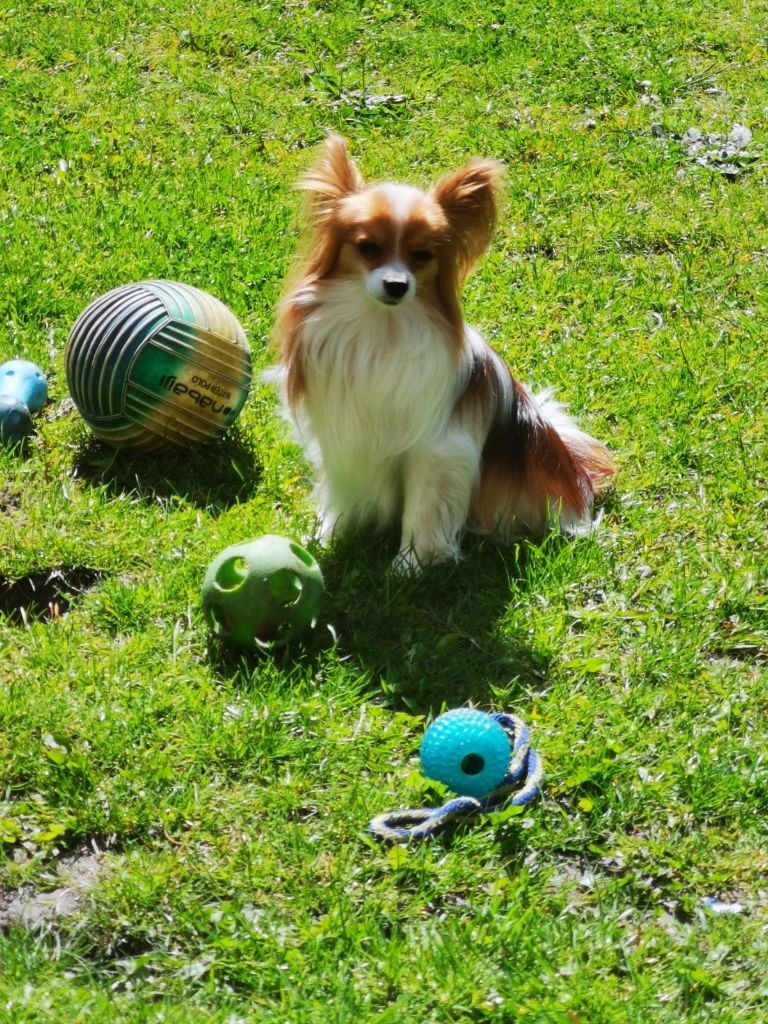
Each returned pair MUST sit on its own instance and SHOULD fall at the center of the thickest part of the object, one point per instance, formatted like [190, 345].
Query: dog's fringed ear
[332, 177]
[469, 199]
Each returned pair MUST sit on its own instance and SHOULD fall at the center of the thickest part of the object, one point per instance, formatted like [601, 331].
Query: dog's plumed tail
[538, 468]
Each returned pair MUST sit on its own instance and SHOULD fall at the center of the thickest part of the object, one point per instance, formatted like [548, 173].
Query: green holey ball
[262, 591]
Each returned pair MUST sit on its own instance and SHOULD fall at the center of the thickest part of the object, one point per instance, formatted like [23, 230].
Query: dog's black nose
[395, 287]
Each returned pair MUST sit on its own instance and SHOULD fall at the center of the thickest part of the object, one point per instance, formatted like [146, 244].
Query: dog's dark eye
[369, 250]
[422, 255]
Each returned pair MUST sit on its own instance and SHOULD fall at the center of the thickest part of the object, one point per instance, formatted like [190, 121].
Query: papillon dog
[407, 415]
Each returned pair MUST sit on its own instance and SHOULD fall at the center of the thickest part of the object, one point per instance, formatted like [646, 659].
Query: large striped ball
[157, 364]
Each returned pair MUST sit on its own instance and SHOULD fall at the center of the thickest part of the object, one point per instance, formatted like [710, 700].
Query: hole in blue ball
[472, 764]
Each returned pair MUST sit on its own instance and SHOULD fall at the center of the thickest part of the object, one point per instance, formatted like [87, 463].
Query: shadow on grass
[448, 637]
[214, 476]
[44, 595]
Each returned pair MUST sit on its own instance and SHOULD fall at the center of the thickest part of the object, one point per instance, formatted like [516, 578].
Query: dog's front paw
[325, 529]
[406, 563]
[412, 561]
[421, 552]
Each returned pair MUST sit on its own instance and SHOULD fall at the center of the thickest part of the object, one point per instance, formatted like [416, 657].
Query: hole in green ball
[285, 587]
[232, 573]
[299, 551]
[216, 619]
[472, 764]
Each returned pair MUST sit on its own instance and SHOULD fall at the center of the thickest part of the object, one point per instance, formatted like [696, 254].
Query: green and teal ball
[466, 749]
[157, 364]
[261, 591]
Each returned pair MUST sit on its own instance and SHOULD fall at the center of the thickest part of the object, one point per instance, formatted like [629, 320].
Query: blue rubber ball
[466, 749]
[25, 382]
[15, 421]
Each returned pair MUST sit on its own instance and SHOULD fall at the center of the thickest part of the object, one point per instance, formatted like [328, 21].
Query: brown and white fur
[405, 412]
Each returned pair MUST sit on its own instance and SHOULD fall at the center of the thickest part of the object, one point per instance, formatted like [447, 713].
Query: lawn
[186, 827]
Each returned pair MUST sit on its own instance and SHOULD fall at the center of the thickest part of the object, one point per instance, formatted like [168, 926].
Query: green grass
[228, 796]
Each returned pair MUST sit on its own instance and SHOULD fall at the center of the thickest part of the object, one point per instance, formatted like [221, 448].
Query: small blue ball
[15, 421]
[25, 382]
[466, 749]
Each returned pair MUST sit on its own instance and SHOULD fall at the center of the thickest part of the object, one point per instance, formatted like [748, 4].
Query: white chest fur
[380, 382]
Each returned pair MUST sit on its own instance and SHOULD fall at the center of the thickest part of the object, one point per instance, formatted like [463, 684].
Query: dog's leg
[367, 493]
[326, 525]
[437, 487]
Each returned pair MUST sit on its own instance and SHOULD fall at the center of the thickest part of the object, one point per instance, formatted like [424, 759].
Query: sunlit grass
[228, 797]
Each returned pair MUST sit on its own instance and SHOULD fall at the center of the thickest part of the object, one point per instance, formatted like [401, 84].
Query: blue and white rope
[519, 786]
